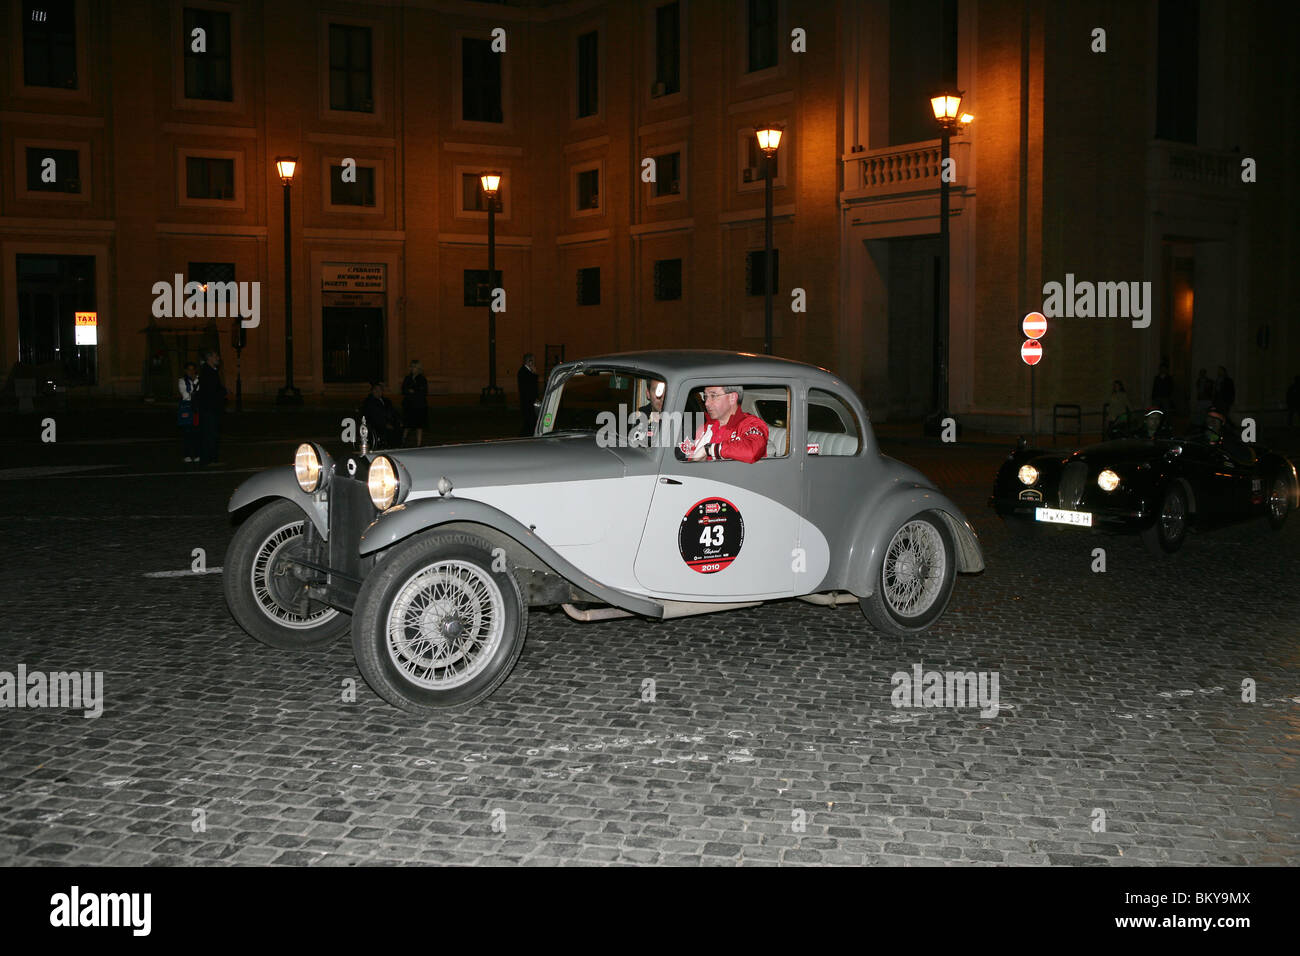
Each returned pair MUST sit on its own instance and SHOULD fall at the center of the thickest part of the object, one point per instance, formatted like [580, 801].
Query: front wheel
[1169, 531]
[1279, 503]
[439, 623]
[915, 579]
[263, 590]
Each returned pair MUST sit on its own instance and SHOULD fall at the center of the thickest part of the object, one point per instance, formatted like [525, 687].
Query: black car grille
[351, 512]
[1070, 489]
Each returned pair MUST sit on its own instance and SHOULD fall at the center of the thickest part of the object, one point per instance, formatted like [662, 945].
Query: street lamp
[769, 139]
[492, 393]
[285, 166]
[948, 114]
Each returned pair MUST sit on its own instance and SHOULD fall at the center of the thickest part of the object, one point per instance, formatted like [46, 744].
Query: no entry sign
[1031, 352]
[1034, 325]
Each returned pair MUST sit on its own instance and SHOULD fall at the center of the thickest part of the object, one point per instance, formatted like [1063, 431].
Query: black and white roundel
[711, 535]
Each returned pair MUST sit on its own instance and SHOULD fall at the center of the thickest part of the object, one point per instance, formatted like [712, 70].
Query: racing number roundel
[710, 535]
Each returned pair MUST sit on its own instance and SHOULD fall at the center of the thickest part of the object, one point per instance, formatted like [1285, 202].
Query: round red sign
[1034, 325]
[1031, 352]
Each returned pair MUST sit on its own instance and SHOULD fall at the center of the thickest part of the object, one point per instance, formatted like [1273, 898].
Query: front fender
[883, 518]
[404, 520]
[281, 483]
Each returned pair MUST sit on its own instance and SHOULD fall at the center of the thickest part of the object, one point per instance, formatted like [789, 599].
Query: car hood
[1122, 451]
[567, 457]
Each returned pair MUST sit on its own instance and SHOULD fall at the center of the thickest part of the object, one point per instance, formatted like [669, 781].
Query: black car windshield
[584, 401]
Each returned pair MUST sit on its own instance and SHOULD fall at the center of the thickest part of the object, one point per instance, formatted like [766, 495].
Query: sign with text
[353, 277]
[87, 328]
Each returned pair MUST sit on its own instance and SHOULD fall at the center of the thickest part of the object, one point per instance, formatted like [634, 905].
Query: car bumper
[1108, 519]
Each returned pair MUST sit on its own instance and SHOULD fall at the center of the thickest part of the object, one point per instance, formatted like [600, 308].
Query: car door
[723, 530]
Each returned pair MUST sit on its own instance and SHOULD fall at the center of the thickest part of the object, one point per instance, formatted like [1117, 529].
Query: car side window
[771, 403]
[833, 429]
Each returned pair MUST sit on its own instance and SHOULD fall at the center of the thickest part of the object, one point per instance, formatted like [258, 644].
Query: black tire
[268, 603]
[882, 607]
[1168, 532]
[1279, 502]
[455, 561]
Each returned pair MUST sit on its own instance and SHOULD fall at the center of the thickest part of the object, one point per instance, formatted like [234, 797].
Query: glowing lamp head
[491, 182]
[285, 166]
[769, 137]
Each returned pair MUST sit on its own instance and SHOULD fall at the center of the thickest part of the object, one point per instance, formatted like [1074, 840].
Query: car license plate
[1056, 516]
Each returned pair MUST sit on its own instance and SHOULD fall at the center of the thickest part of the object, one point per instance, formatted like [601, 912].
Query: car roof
[712, 363]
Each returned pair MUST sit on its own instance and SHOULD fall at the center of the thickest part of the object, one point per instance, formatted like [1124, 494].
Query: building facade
[139, 140]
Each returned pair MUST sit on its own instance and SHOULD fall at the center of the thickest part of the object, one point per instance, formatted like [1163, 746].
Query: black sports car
[1148, 481]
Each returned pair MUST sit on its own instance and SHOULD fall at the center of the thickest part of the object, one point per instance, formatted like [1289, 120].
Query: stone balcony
[912, 168]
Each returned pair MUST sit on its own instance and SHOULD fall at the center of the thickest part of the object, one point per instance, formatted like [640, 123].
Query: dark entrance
[352, 336]
[51, 290]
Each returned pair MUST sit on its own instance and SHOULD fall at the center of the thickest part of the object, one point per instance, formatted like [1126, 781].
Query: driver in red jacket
[731, 432]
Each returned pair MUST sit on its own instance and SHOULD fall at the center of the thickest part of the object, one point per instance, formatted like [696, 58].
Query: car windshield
[578, 404]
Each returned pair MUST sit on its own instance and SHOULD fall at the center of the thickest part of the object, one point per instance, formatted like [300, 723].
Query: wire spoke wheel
[278, 593]
[914, 569]
[1173, 517]
[445, 625]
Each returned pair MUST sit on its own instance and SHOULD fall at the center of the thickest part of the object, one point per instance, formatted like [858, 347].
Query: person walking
[526, 379]
[210, 403]
[415, 403]
[188, 385]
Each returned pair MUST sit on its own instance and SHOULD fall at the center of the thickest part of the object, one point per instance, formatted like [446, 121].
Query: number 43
[711, 537]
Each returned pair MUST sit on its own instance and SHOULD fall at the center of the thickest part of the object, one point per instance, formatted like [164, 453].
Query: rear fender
[886, 515]
[520, 543]
[281, 483]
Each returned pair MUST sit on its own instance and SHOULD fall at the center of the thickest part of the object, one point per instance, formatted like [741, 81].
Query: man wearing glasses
[731, 432]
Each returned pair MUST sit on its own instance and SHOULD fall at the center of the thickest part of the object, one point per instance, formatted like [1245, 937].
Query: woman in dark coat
[415, 403]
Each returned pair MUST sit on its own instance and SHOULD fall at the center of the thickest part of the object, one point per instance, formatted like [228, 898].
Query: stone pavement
[771, 739]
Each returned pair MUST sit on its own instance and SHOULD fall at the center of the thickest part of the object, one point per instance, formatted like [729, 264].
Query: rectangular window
[587, 186]
[208, 177]
[668, 175]
[50, 44]
[588, 74]
[351, 77]
[207, 69]
[473, 199]
[360, 192]
[1177, 70]
[762, 35]
[589, 286]
[480, 81]
[755, 272]
[212, 272]
[833, 429]
[668, 279]
[668, 50]
[756, 165]
[478, 292]
[53, 170]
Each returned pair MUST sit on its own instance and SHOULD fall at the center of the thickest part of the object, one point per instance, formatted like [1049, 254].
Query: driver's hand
[699, 453]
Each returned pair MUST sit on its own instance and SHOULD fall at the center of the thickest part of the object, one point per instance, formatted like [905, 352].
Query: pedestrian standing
[1225, 392]
[415, 403]
[526, 379]
[210, 403]
[1116, 405]
[188, 385]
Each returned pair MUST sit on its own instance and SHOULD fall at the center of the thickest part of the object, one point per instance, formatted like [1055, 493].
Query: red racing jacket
[743, 437]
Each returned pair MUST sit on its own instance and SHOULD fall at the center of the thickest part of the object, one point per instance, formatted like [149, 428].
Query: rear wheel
[264, 594]
[1279, 502]
[916, 577]
[439, 623]
[1169, 531]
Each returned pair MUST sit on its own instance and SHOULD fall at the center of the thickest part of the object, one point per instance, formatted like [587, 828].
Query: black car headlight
[312, 466]
[1108, 480]
[388, 483]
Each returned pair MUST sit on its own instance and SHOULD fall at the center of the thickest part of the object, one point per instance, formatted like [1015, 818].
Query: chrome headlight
[312, 467]
[384, 481]
[1028, 474]
[1108, 480]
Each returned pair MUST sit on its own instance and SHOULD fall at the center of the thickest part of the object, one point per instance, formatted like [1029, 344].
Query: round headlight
[1028, 474]
[383, 483]
[307, 468]
[1108, 480]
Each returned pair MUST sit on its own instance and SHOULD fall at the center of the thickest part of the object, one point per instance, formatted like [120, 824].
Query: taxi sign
[1031, 352]
[1034, 325]
[87, 328]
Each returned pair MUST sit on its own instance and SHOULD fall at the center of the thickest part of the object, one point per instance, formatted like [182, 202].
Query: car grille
[1073, 478]
[351, 512]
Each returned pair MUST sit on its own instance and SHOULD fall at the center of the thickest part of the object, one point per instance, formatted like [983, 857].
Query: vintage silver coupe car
[434, 556]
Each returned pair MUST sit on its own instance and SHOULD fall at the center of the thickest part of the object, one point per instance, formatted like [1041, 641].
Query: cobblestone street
[1122, 737]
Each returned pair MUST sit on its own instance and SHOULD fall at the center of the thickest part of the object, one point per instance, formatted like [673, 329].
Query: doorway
[51, 291]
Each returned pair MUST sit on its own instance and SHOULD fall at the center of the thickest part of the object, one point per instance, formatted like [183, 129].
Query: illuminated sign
[87, 329]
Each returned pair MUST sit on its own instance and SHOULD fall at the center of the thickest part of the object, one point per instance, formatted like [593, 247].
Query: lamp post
[285, 166]
[947, 113]
[492, 393]
[769, 139]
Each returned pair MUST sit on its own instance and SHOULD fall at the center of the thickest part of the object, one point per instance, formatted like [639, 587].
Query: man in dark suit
[528, 384]
[209, 404]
